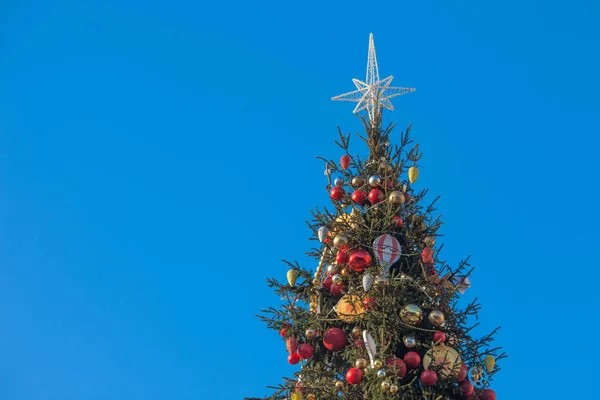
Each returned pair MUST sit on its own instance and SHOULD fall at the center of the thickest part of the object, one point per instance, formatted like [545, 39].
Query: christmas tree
[379, 316]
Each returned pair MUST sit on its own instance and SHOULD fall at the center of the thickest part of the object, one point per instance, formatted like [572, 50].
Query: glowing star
[373, 94]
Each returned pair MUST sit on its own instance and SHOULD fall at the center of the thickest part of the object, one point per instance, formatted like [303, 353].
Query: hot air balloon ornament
[387, 250]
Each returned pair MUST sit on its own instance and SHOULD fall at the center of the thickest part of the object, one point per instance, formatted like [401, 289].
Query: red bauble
[427, 255]
[399, 364]
[337, 290]
[369, 303]
[412, 359]
[291, 344]
[342, 257]
[487, 394]
[359, 260]
[305, 351]
[462, 374]
[359, 343]
[345, 161]
[337, 193]
[294, 358]
[439, 337]
[467, 388]
[359, 197]
[428, 377]
[282, 332]
[327, 283]
[354, 376]
[376, 196]
[397, 221]
[335, 339]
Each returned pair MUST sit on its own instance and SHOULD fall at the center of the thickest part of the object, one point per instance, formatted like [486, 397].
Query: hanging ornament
[291, 344]
[374, 181]
[359, 260]
[467, 388]
[397, 364]
[339, 182]
[296, 395]
[292, 276]
[462, 374]
[370, 345]
[409, 340]
[357, 181]
[332, 270]
[385, 385]
[345, 272]
[369, 303]
[396, 197]
[387, 250]
[340, 241]
[282, 332]
[411, 314]
[412, 359]
[356, 331]
[378, 364]
[367, 282]
[359, 197]
[397, 221]
[305, 351]
[428, 378]
[335, 339]
[337, 290]
[444, 359]
[311, 396]
[393, 388]
[413, 174]
[361, 363]
[339, 385]
[462, 283]
[489, 362]
[337, 279]
[342, 257]
[310, 333]
[322, 233]
[376, 196]
[381, 373]
[337, 193]
[345, 161]
[427, 255]
[350, 308]
[487, 394]
[439, 337]
[294, 358]
[436, 317]
[354, 376]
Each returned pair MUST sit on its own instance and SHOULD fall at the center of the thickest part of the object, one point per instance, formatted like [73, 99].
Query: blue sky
[157, 160]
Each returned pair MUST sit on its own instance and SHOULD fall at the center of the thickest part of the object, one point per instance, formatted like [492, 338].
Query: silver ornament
[332, 269]
[337, 279]
[322, 233]
[409, 341]
[381, 373]
[367, 281]
[339, 182]
[374, 181]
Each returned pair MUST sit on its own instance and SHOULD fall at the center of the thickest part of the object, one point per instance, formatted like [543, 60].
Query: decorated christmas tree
[379, 316]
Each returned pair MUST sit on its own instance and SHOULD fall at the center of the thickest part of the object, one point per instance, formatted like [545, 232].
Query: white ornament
[367, 281]
[322, 233]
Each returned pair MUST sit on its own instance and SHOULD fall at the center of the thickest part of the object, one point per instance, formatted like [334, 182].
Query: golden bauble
[316, 282]
[345, 272]
[411, 314]
[413, 174]
[350, 308]
[393, 388]
[385, 385]
[310, 333]
[311, 397]
[356, 331]
[436, 317]
[357, 181]
[396, 197]
[292, 276]
[340, 241]
[336, 279]
[444, 359]
[361, 363]
[378, 364]
[339, 385]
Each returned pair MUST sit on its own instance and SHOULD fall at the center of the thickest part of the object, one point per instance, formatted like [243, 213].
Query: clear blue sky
[157, 160]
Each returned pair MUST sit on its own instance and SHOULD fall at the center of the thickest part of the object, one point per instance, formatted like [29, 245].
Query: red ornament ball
[397, 221]
[294, 358]
[376, 196]
[342, 258]
[328, 282]
[412, 359]
[427, 255]
[359, 260]
[359, 197]
[335, 339]
[359, 343]
[345, 161]
[398, 364]
[337, 193]
[305, 351]
[369, 303]
[439, 337]
[462, 374]
[282, 332]
[354, 376]
[487, 394]
[428, 377]
[337, 290]
[467, 388]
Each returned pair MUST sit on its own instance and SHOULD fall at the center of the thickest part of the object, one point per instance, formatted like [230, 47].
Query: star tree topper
[374, 94]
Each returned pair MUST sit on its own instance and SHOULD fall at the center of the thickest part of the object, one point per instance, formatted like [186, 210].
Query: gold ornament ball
[396, 197]
[356, 331]
[393, 388]
[357, 181]
[340, 241]
[378, 364]
[436, 317]
[339, 385]
[310, 397]
[361, 363]
[316, 282]
[310, 333]
[385, 385]
[345, 272]
[411, 314]
[336, 279]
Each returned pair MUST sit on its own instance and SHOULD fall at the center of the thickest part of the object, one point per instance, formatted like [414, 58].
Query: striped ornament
[387, 250]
